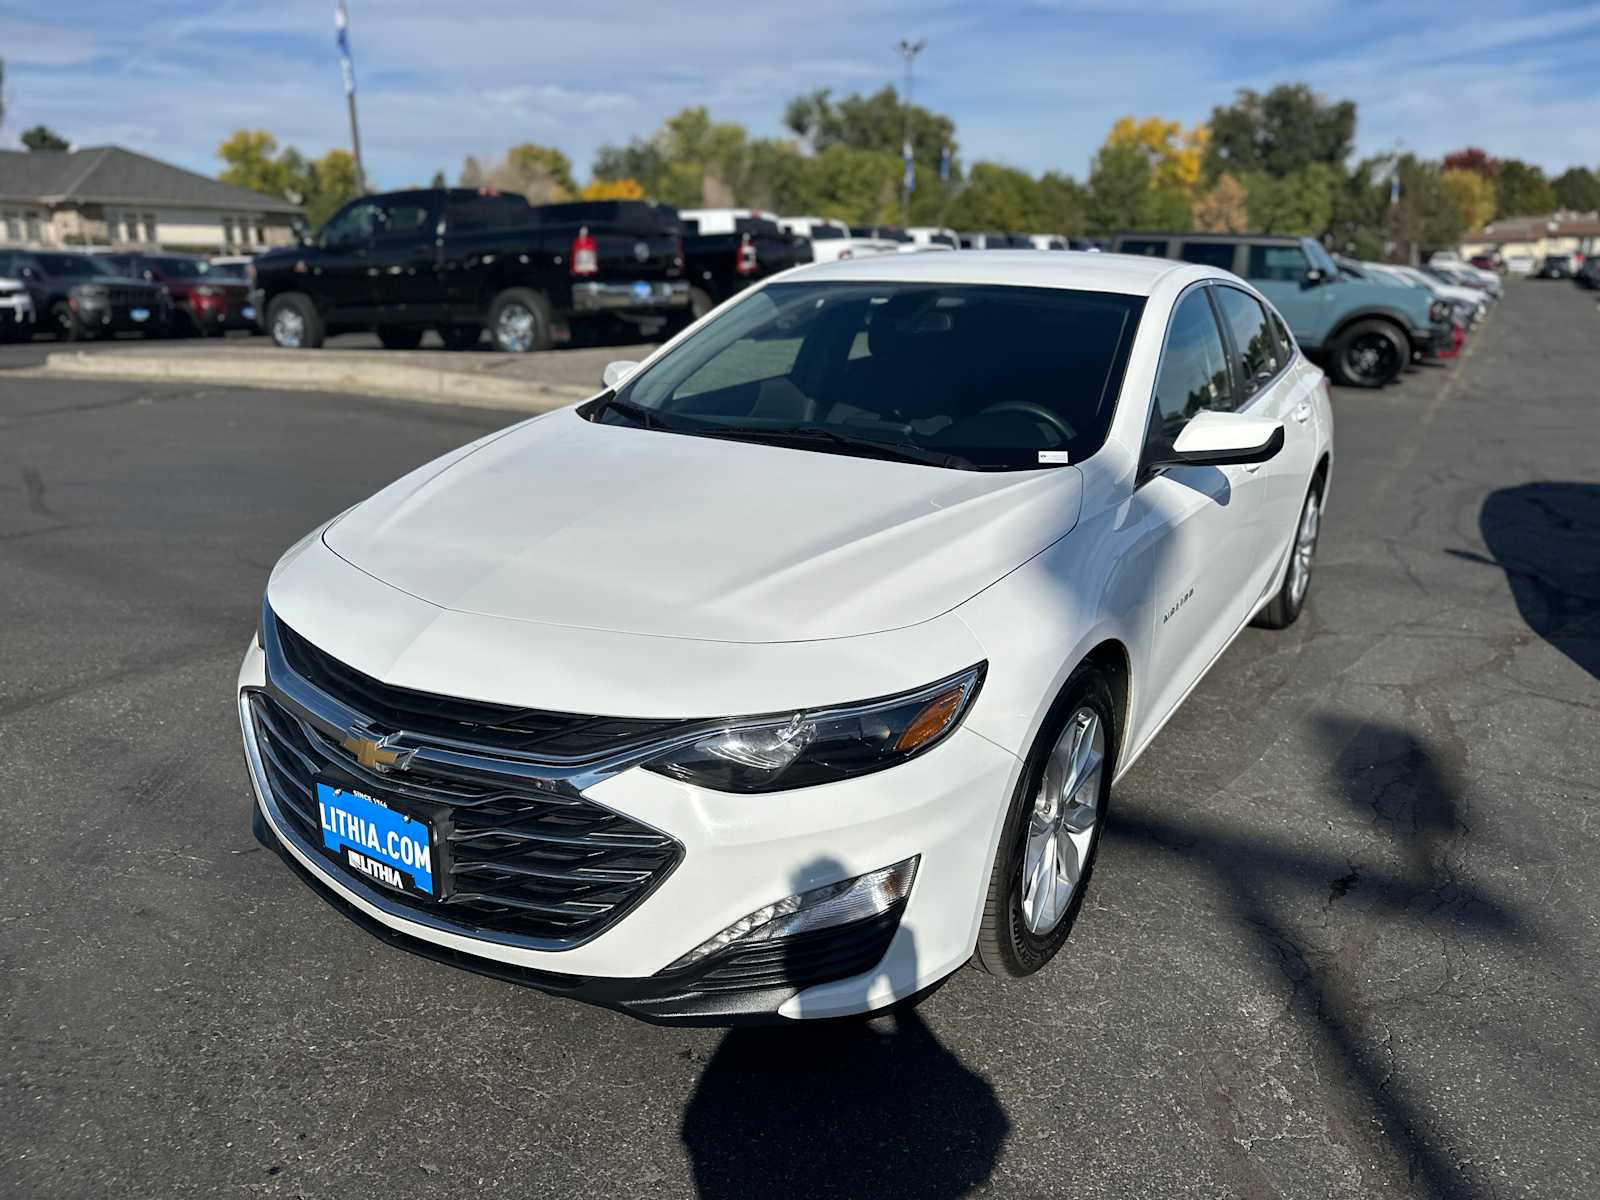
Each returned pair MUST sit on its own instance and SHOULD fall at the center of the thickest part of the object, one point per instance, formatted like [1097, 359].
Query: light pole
[908, 51]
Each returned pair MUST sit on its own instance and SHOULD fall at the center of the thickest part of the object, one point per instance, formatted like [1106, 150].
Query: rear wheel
[294, 322]
[1284, 609]
[460, 337]
[1052, 834]
[399, 337]
[1369, 354]
[519, 321]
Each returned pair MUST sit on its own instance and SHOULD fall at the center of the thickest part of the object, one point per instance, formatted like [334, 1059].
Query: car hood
[565, 522]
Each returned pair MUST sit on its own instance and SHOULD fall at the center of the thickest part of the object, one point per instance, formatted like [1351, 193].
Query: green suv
[1364, 332]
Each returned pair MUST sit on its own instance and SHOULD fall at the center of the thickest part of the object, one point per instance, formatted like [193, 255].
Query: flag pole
[341, 22]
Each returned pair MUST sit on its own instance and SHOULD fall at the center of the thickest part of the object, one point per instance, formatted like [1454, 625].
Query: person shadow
[1546, 538]
[846, 1107]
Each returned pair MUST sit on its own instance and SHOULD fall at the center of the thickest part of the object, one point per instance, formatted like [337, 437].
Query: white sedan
[793, 671]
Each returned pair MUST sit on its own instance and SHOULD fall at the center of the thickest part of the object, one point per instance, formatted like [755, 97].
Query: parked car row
[76, 295]
[1364, 330]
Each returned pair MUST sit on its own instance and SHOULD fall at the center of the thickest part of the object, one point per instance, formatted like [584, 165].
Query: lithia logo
[1173, 611]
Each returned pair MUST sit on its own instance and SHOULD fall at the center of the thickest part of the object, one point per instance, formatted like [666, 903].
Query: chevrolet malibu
[792, 671]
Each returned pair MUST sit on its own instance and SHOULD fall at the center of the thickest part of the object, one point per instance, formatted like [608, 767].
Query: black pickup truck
[460, 260]
[727, 249]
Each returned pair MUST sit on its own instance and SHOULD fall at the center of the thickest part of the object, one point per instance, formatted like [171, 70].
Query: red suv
[206, 300]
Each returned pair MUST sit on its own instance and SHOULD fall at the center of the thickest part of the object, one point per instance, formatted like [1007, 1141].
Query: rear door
[1203, 521]
[403, 259]
[1270, 388]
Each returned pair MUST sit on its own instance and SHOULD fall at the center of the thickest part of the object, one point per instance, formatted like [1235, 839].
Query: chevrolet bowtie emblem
[377, 753]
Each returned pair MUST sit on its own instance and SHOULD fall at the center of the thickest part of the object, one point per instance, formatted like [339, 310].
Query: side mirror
[616, 372]
[1219, 439]
[1312, 277]
[302, 232]
[29, 273]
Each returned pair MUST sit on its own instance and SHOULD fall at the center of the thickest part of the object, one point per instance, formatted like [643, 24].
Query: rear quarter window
[1208, 254]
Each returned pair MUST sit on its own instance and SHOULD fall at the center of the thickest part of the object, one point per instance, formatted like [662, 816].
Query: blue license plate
[642, 290]
[375, 841]
[248, 312]
[139, 314]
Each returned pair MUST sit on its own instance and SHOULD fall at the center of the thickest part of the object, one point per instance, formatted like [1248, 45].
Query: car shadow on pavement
[1286, 895]
[844, 1108]
[1546, 538]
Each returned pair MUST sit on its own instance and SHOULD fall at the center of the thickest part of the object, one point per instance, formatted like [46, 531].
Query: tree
[320, 186]
[1060, 204]
[1427, 213]
[541, 173]
[1577, 189]
[1471, 158]
[1300, 202]
[1283, 131]
[1524, 191]
[995, 197]
[1473, 194]
[327, 184]
[438, 180]
[253, 163]
[1175, 156]
[1223, 207]
[612, 189]
[42, 137]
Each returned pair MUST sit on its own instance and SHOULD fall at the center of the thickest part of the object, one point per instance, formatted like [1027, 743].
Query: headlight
[1439, 310]
[799, 749]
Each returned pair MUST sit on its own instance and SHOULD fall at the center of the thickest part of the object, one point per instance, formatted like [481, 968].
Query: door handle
[1302, 411]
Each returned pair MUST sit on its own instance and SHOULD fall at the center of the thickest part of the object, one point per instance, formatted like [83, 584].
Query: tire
[294, 323]
[1284, 609]
[519, 321]
[66, 324]
[1369, 354]
[399, 337]
[460, 337]
[1017, 939]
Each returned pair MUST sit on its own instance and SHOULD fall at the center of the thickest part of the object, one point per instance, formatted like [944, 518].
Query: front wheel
[1284, 609]
[294, 322]
[1369, 354]
[1052, 834]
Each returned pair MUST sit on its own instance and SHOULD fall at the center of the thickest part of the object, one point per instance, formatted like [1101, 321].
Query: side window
[1209, 254]
[1253, 340]
[1277, 264]
[406, 219]
[1194, 368]
[1285, 338]
[352, 226]
[1143, 246]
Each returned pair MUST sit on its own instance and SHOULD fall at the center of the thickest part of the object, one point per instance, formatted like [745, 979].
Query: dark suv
[1364, 332]
[79, 296]
[206, 300]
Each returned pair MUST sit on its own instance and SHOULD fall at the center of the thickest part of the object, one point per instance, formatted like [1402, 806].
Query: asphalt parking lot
[1341, 939]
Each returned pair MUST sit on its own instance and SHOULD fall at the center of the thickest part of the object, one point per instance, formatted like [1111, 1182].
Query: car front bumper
[739, 853]
[642, 297]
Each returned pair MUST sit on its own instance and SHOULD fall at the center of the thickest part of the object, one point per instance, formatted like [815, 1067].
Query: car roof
[1127, 274]
[1282, 239]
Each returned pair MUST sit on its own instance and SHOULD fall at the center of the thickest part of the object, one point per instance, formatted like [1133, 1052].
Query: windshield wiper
[646, 418]
[870, 447]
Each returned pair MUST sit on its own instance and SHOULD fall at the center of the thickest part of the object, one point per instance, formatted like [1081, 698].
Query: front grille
[568, 737]
[513, 858]
[127, 297]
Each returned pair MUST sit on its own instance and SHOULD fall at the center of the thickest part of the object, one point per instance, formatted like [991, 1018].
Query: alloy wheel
[1371, 357]
[1305, 549]
[1062, 824]
[514, 328]
[288, 328]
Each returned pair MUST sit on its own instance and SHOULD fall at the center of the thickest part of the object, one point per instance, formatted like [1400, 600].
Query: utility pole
[908, 50]
[341, 21]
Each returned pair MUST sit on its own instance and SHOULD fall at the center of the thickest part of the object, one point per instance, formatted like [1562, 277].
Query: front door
[1203, 522]
[342, 266]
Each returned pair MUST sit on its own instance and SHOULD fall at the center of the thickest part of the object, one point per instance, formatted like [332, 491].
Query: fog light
[819, 908]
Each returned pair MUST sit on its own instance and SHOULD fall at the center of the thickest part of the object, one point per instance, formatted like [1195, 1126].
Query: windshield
[187, 268]
[966, 376]
[72, 265]
[228, 271]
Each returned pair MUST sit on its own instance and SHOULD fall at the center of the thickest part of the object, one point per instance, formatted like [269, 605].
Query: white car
[793, 671]
[1472, 301]
[17, 315]
[1520, 264]
[1047, 241]
[831, 239]
[933, 237]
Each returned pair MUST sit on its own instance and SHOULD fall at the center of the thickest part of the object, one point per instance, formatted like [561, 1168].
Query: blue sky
[1035, 85]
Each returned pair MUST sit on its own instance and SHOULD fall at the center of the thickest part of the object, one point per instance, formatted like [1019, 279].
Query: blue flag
[944, 165]
[341, 22]
[911, 168]
[1394, 189]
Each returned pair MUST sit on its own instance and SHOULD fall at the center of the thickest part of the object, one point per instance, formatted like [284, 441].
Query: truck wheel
[399, 337]
[1369, 354]
[66, 324]
[460, 337]
[294, 322]
[519, 321]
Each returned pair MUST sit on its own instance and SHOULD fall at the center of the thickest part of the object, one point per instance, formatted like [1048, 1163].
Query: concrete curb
[427, 385]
